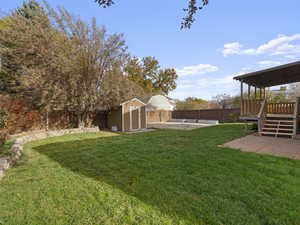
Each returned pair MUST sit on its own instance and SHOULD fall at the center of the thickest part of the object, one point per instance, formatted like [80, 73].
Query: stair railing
[262, 115]
[296, 117]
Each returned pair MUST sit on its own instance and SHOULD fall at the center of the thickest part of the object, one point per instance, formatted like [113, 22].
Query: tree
[294, 91]
[117, 89]
[10, 69]
[192, 103]
[136, 73]
[166, 81]
[193, 7]
[30, 10]
[2, 23]
[63, 66]
[96, 56]
[224, 101]
[148, 74]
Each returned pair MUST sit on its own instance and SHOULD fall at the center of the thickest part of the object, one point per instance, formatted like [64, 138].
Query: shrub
[3, 136]
[234, 117]
[19, 115]
[254, 127]
[3, 118]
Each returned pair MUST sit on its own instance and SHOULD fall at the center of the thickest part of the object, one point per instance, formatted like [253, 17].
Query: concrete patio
[283, 147]
[177, 125]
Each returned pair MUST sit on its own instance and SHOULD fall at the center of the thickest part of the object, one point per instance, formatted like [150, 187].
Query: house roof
[279, 75]
[134, 99]
[146, 99]
[159, 102]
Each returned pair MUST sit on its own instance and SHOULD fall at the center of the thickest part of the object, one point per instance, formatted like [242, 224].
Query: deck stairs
[278, 126]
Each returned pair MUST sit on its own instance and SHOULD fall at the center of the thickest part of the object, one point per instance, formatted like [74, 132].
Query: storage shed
[128, 116]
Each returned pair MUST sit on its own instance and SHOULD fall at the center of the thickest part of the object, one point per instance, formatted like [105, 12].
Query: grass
[161, 177]
[4, 149]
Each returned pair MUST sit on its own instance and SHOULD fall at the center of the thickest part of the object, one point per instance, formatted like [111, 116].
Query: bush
[18, 115]
[254, 127]
[3, 136]
[234, 117]
[3, 118]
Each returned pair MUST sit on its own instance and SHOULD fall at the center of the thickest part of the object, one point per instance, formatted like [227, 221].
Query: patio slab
[283, 147]
[177, 125]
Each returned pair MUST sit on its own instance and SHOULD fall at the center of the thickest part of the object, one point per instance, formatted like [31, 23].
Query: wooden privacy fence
[281, 108]
[223, 115]
[158, 116]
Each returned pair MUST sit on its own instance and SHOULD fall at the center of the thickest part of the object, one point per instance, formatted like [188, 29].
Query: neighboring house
[159, 108]
[158, 103]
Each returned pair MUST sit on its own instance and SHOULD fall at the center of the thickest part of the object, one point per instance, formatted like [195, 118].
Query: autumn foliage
[20, 115]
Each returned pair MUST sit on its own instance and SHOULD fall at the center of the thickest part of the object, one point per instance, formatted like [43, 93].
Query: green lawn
[4, 149]
[161, 177]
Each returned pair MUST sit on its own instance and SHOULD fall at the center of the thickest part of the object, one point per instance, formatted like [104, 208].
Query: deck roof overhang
[280, 75]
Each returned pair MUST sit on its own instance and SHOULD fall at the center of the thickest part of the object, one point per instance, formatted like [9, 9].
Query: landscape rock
[4, 163]
[17, 148]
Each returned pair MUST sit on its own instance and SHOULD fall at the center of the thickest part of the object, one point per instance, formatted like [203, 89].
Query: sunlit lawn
[161, 177]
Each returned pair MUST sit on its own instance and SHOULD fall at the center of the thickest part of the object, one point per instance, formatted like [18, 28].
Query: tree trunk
[81, 119]
[47, 120]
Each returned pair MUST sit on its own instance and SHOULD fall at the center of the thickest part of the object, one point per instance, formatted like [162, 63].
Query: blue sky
[229, 37]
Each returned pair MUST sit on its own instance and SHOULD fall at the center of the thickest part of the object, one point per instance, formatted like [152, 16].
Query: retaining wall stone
[17, 148]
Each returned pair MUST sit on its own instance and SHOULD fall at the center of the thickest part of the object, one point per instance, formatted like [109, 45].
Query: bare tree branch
[187, 21]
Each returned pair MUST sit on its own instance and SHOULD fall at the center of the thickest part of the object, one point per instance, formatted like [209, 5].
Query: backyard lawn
[161, 177]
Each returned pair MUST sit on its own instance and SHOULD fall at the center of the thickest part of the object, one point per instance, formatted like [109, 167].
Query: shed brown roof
[279, 75]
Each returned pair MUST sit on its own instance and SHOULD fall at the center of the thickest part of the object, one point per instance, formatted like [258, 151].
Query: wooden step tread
[280, 125]
[280, 115]
[274, 133]
[284, 129]
[280, 121]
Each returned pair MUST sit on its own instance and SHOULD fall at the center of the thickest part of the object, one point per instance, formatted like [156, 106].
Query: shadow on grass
[182, 173]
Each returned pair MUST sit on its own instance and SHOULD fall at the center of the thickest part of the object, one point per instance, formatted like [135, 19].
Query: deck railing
[281, 108]
[250, 106]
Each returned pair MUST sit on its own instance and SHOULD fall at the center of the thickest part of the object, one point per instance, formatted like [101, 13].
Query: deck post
[242, 91]
[296, 117]
[249, 89]
[255, 92]
[242, 98]
[260, 93]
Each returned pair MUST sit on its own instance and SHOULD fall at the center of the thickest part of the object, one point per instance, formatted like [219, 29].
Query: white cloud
[246, 69]
[206, 87]
[290, 56]
[232, 48]
[282, 45]
[197, 69]
[267, 63]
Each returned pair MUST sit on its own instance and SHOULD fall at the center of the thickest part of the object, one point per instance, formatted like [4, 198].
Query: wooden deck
[274, 119]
